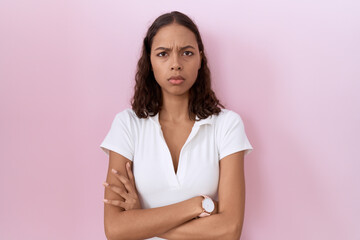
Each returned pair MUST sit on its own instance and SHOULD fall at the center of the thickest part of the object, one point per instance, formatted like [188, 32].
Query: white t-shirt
[141, 141]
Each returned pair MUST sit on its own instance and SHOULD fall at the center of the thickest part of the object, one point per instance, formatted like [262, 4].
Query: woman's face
[175, 59]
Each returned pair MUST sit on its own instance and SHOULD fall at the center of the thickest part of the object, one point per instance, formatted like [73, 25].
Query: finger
[123, 180]
[128, 185]
[117, 174]
[130, 174]
[116, 190]
[116, 203]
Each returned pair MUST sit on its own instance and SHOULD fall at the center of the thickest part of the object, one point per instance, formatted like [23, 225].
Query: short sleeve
[120, 137]
[232, 136]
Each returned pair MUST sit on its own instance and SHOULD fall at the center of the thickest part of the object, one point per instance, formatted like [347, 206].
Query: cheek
[195, 68]
[196, 63]
[158, 70]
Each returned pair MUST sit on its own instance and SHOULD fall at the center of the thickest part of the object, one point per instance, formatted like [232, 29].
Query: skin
[175, 52]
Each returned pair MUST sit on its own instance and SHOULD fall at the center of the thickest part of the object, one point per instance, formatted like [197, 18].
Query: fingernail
[105, 200]
[128, 165]
[113, 170]
[105, 184]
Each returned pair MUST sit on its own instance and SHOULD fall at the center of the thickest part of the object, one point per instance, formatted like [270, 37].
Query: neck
[175, 108]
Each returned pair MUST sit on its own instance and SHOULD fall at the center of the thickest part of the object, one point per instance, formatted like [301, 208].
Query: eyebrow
[168, 49]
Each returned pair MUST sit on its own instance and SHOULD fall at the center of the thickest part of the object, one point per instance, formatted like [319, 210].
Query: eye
[188, 53]
[162, 54]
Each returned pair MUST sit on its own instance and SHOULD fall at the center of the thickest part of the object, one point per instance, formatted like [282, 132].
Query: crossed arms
[124, 219]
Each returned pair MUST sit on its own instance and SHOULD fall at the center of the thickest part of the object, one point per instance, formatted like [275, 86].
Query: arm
[142, 223]
[228, 223]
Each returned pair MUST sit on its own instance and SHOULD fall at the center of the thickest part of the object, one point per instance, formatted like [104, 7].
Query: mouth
[179, 77]
[176, 80]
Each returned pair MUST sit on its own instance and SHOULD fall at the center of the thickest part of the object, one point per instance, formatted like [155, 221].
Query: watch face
[208, 205]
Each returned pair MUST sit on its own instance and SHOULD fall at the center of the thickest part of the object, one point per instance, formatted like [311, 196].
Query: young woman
[176, 158]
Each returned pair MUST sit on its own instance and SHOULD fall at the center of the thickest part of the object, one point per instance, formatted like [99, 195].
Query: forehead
[174, 35]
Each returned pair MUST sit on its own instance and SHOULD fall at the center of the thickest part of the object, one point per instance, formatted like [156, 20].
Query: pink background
[289, 68]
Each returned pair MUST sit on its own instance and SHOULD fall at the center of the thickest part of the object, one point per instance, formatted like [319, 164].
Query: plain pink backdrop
[291, 69]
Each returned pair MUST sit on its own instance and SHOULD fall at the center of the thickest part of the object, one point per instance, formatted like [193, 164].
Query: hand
[130, 195]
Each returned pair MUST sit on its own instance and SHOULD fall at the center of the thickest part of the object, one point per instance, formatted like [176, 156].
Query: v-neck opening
[176, 178]
[176, 172]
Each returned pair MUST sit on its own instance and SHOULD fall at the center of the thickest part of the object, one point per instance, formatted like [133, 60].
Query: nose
[175, 65]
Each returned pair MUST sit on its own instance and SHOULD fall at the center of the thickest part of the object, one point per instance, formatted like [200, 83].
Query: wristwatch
[208, 206]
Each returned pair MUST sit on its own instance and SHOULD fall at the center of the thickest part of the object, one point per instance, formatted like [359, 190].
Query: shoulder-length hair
[147, 99]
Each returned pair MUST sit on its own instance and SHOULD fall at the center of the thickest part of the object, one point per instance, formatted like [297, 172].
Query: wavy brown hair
[147, 99]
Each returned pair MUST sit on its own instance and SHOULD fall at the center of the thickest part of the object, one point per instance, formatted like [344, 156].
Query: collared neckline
[208, 120]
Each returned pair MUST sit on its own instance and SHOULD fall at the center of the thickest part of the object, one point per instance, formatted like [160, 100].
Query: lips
[176, 78]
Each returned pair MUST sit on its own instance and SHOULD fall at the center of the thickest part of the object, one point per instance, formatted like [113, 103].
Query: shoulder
[127, 120]
[126, 113]
[228, 121]
[127, 116]
[227, 116]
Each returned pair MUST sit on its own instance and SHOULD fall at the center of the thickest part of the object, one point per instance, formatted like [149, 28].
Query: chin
[178, 92]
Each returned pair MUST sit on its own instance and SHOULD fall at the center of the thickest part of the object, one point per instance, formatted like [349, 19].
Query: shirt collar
[208, 120]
